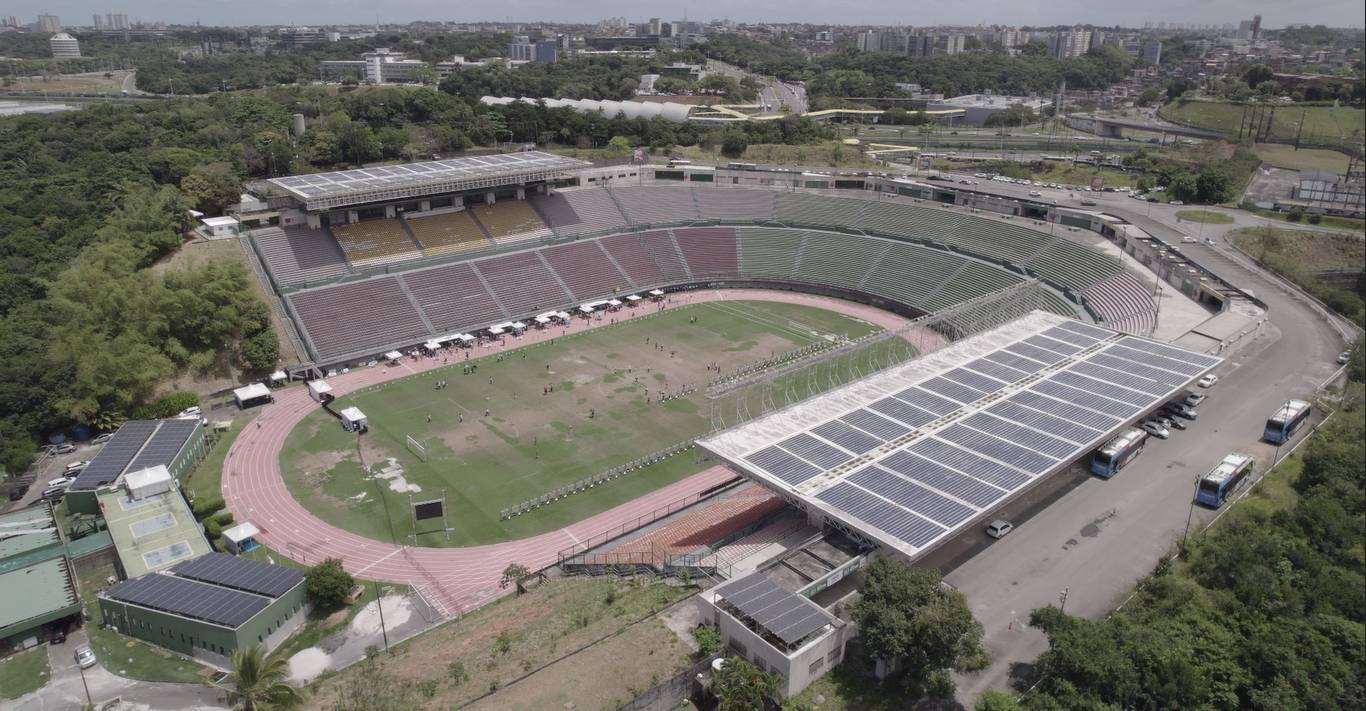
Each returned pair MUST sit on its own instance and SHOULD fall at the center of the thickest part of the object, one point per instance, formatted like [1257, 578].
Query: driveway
[65, 691]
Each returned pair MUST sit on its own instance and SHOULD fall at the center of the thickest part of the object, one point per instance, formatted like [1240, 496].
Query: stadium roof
[783, 614]
[243, 574]
[189, 598]
[138, 444]
[911, 454]
[361, 185]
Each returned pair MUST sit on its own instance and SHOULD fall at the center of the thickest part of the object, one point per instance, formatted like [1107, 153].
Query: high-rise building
[951, 43]
[869, 41]
[1070, 44]
[64, 46]
[302, 36]
[1152, 52]
[547, 52]
[49, 23]
[520, 49]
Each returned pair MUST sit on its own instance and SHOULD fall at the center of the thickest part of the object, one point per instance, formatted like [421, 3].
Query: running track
[458, 578]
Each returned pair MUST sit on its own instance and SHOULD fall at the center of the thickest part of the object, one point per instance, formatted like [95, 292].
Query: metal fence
[592, 481]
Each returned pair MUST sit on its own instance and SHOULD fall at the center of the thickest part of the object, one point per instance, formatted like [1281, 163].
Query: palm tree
[740, 686]
[258, 683]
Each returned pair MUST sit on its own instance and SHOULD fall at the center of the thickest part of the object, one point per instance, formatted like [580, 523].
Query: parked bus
[1283, 423]
[1116, 453]
[1216, 486]
[742, 166]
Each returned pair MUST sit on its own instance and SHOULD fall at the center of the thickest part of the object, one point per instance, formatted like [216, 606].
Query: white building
[64, 46]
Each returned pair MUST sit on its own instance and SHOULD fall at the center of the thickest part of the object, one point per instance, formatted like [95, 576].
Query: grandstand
[375, 242]
[298, 255]
[580, 212]
[911, 455]
[509, 221]
[446, 232]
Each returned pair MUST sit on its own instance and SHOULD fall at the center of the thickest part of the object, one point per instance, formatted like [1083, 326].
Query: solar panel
[788, 616]
[996, 370]
[917, 498]
[1100, 387]
[1021, 435]
[163, 446]
[1133, 382]
[1057, 426]
[1065, 410]
[783, 465]
[115, 456]
[965, 462]
[894, 408]
[188, 598]
[1155, 361]
[343, 182]
[1067, 336]
[240, 574]
[815, 451]
[1110, 360]
[1179, 354]
[927, 400]
[1012, 360]
[997, 448]
[880, 513]
[856, 441]
[1053, 345]
[976, 381]
[1095, 332]
[1042, 355]
[1085, 399]
[941, 478]
[952, 390]
[876, 425]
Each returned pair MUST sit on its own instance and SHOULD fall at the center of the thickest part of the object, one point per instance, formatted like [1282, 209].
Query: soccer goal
[417, 448]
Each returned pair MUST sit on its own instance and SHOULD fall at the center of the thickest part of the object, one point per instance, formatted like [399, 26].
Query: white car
[1189, 239]
[103, 438]
[1034, 193]
[193, 411]
[1208, 381]
[85, 657]
[1343, 357]
[1155, 429]
[999, 528]
[74, 467]
[61, 481]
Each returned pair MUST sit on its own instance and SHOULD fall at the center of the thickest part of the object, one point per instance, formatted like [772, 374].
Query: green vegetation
[829, 153]
[740, 686]
[257, 682]
[1279, 155]
[1302, 256]
[1323, 124]
[23, 672]
[1267, 613]
[126, 656]
[1333, 221]
[328, 585]
[1205, 216]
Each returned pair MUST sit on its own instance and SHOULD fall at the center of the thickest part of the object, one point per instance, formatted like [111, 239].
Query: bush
[173, 404]
[212, 529]
[205, 506]
[708, 640]
[223, 518]
[328, 585]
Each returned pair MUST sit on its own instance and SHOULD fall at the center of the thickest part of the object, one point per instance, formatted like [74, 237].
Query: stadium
[598, 369]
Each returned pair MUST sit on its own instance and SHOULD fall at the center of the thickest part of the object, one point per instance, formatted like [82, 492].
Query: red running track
[459, 578]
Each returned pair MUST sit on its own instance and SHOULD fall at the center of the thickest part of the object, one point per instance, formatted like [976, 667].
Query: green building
[208, 607]
[37, 588]
[177, 445]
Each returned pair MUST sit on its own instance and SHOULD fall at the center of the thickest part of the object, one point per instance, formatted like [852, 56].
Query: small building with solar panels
[208, 607]
[177, 445]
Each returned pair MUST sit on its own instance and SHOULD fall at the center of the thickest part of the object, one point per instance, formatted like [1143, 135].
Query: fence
[592, 481]
[642, 520]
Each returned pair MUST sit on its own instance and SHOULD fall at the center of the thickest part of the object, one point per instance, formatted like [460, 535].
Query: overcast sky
[1341, 13]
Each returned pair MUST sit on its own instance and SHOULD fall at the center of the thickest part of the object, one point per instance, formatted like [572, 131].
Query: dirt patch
[1313, 251]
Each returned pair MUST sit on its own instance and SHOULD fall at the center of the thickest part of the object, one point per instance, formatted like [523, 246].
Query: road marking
[387, 556]
[571, 535]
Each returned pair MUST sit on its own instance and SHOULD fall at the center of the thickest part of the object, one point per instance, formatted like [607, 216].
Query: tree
[907, 617]
[514, 574]
[1258, 73]
[734, 144]
[212, 187]
[257, 683]
[995, 700]
[328, 585]
[740, 686]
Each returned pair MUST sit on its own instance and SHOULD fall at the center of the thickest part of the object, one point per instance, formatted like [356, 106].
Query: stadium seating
[452, 297]
[300, 255]
[585, 269]
[1123, 303]
[579, 212]
[835, 259]
[998, 239]
[769, 252]
[904, 219]
[1073, 265]
[657, 205]
[522, 283]
[375, 242]
[510, 221]
[359, 317]
[908, 273]
[730, 204]
[446, 233]
[974, 280]
[779, 530]
[819, 210]
[709, 251]
[637, 258]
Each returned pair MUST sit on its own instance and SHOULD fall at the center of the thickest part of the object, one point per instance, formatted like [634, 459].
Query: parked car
[1208, 381]
[1189, 240]
[999, 528]
[1175, 423]
[192, 411]
[1182, 410]
[74, 467]
[1088, 203]
[103, 438]
[61, 481]
[1193, 399]
[63, 448]
[17, 491]
[84, 657]
[1343, 357]
[1164, 420]
[54, 493]
[1155, 429]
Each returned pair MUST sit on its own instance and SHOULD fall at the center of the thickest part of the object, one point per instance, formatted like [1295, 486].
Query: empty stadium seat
[648, 258]
[819, 210]
[357, 318]
[586, 269]
[299, 255]
[452, 297]
[732, 204]
[579, 212]
[1123, 303]
[769, 252]
[522, 283]
[657, 205]
[375, 242]
[446, 233]
[709, 251]
[511, 221]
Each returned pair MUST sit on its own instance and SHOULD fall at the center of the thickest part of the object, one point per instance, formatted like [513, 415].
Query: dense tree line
[767, 58]
[854, 73]
[1269, 613]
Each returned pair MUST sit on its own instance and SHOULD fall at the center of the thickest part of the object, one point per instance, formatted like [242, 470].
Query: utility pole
[1062, 599]
[380, 606]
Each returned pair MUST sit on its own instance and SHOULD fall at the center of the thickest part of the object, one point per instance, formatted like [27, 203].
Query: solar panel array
[980, 432]
[188, 598]
[137, 445]
[240, 574]
[786, 615]
[345, 182]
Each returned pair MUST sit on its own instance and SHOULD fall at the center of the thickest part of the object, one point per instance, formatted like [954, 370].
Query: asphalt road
[1095, 538]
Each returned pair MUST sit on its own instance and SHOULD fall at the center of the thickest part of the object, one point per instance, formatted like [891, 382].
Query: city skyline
[1338, 13]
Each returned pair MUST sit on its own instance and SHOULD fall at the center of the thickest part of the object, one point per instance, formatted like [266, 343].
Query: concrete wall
[797, 670]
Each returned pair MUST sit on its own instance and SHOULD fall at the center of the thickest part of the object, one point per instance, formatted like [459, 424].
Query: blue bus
[1116, 453]
[1222, 480]
[1283, 423]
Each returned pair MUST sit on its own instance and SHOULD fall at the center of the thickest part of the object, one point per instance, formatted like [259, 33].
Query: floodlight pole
[379, 605]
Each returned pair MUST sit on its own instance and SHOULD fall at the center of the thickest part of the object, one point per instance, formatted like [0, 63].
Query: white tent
[656, 292]
[247, 395]
[633, 298]
[353, 419]
[496, 330]
[241, 537]
[278, 376]
[148, 482]
[562, 315]
[614, 302]
[393, 355]
[318, 389]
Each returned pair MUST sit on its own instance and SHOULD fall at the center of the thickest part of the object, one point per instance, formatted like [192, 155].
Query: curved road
[457, 578]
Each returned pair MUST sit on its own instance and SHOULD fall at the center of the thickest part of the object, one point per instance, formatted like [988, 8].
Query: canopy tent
[614, 302]
[432, 345]
[250, 394]
[148, 482]
[586, 309]
[656, 293]
[393, 355]
[353, 419]
[562, 315]
[496, 330]
[632, 298]
[542, 319]
[279, 376]
[319, 390]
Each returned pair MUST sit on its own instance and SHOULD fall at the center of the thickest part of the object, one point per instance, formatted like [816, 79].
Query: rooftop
[35, 590]
[152, 533]
[26, 530]
[189, 598]
[775, 612]
[138, 444]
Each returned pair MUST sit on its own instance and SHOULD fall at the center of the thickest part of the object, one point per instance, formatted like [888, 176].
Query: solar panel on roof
[892, 407]
[1155, 361]
[997, 448]
[996, 370]
[1100, 387]
[1086, 399]
[1087, 329]
[1021, 435]
[976, 381]
[1159, 375]
[927, 400]
[1065, 410]
[856, 441]
[1076, 339]
[1052, 345]
[786, 615]
[1073, 432]
[783, 465]
[115, 456]
[965, 462]
[941, 478]
[1180, 354]
[165, 444]
[875, 424]
[1110, 375]
[947, 388]
[913, 496]
[815, 451]
[880, 513]
[1020, 363]
[1042, 355]
[188, 598]
[240, 574]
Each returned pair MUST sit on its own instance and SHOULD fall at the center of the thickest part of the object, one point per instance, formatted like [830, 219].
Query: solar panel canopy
[138, 444]
[189, 598]
[240, 574]
[915, 452]
[786, 615]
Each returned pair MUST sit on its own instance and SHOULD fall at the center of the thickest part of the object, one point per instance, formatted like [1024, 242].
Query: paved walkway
[459, 578]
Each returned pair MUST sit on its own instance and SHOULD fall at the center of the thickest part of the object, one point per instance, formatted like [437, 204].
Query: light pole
[1190, 514]
[1062, 600]
[379, 605]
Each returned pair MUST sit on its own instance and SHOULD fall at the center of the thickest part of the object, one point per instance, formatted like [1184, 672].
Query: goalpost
[417, 448]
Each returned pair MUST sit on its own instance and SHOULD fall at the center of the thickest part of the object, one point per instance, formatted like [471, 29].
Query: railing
[592, 481]
[644, 519]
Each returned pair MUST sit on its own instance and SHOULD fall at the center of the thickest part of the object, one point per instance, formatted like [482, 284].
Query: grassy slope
[536, 443]
[1205, 216]
[1322, 124]
[23, 673]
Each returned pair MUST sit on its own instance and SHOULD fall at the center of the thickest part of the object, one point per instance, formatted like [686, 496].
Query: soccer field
[533, 440]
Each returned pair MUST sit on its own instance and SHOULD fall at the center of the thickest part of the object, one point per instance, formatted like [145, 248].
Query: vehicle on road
[1088, 203]
[1222, 480]
[1208, 381]
[1193, 399]
[999, 529]
[63, 448]
[1343, 357]
[103, 438]
[1034, 193]
[1285, 421]
[84, 657]
[1155, 428]
[1176, 202]
[1118, 452]
[17, 491]
[1189, 240]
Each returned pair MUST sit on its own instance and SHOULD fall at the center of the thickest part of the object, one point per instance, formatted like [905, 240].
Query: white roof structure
[148, 482]
[352, 414]
[278, 376]
[633, 298]
[393, 355]
[656, 292]
[250, 392]
[914, 453]
[319, 387]
[323, 191]
[241, 532]
[220, 221]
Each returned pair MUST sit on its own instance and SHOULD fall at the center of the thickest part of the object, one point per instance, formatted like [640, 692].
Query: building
[64, 46]
[825, 37]
[37, 583]
[293, 37]
[547, 51]
[1324, 192]
[951, 43]
[137, 445]
[1073, 43]
[150, 523]
[382, 66]
[49, 23]
[1152, 52]
[980, 107]
[111, 21]
[520, 49]
[208, 607]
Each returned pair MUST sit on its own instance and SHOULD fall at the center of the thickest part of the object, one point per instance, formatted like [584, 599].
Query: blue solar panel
[783, 465]
[968, 463]
[895, 520]
[1021, 435]
[911, 495]
[997, 448]
[899, 410]
[1108, 360]
[1053, 345]
[952, 390]
[1056, 426]
[876, 425]
[1155, 361]
[1114, 408]
[1066, 410]
[973, 380]
[1076, 339]
[996, 370]
[1011, 360]
[1096, 332]
[815, 451]
[1100, 387]
[1042, 355]
[1110, 375]
[855, 441]
[1184, 356]
[927, 400]
[941, 478]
